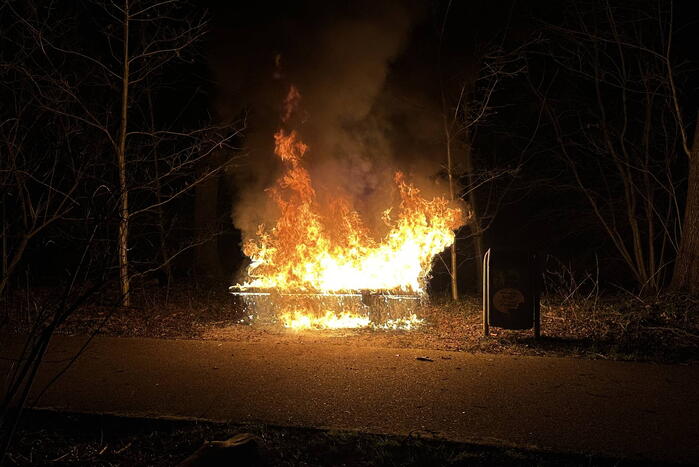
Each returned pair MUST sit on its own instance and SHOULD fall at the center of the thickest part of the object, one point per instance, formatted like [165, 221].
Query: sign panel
[510, 290]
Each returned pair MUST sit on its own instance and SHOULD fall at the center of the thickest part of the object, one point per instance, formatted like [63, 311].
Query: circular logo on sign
[507, 300]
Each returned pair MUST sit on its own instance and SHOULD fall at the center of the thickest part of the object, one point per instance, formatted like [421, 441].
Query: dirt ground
[664, 329]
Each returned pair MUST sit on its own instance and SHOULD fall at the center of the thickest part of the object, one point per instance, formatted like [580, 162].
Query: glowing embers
[330, 320]
[316, 311]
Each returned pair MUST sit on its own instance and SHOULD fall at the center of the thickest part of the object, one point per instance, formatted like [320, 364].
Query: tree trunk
[10, 268]
[686, 275]
[452, 251]
[474, 223]
[123, 240]
[476, 238]
[5, 233]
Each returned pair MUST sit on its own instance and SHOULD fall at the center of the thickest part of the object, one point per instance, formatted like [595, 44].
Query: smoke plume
[339, 57]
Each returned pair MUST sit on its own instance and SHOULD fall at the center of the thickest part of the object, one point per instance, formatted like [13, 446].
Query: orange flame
[307, 251]
[300, 320]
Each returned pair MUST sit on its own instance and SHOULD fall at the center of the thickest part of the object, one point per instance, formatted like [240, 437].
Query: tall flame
[310, 251]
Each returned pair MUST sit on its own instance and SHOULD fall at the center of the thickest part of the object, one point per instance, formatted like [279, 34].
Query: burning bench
[360, 309]
[321, 244]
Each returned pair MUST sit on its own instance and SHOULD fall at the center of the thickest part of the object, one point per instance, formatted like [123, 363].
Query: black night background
[349, 233]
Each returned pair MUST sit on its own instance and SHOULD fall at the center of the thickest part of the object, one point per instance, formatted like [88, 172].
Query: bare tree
[686, 273]
[620, 129]
[152, 37]
[42, 172]
[83, 152]
[136, 46]
[466, 97]
[74, 295]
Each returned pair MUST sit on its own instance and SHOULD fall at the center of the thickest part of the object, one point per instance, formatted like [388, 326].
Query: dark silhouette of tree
[610, 91]
[107, 71]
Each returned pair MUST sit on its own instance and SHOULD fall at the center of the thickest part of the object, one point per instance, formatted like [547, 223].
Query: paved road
[624, 409]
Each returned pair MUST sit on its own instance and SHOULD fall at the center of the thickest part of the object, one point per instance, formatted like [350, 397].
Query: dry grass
[47, 438]
[660, 328]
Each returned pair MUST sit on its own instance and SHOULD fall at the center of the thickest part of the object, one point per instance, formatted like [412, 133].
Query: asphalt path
[633, 410]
